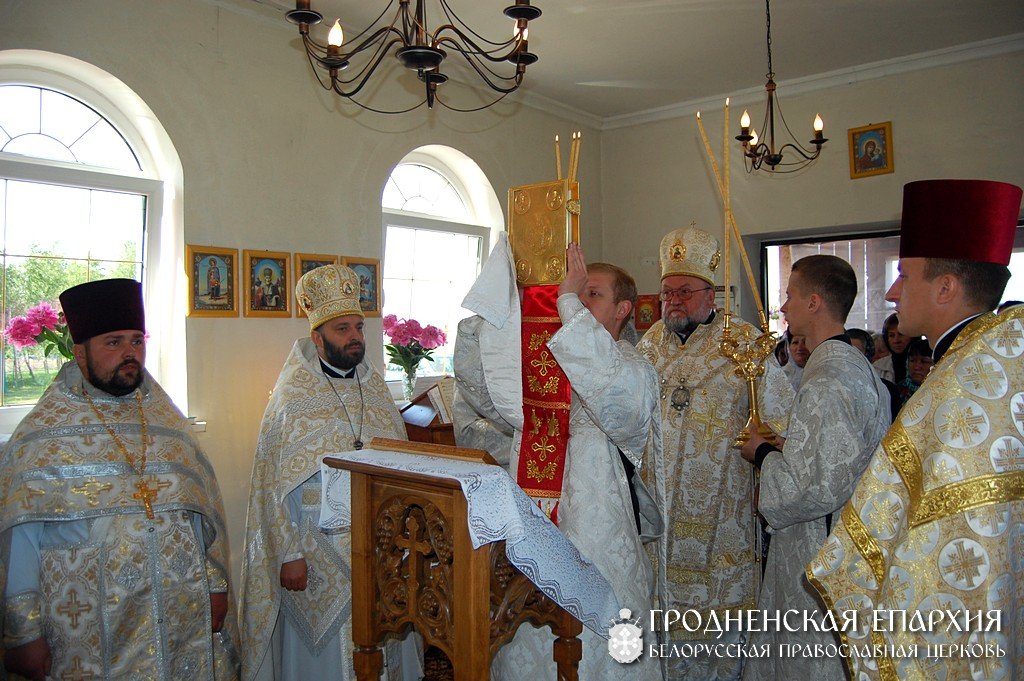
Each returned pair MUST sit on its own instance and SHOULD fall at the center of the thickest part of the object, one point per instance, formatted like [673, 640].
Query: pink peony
[21, 332]
[432, 337]
[400, 335]
[390, 321]
[44, 315]
[414, 329]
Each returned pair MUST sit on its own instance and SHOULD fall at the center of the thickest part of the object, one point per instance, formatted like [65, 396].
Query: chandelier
[758, 154]
[500, 65]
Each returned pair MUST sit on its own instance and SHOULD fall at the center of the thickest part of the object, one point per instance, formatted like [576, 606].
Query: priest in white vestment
[709, 560]
[839, 416]
[296, 612]
[604, 507]
[112, 530]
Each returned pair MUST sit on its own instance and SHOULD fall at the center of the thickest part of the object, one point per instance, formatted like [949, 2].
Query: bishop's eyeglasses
[683, 294]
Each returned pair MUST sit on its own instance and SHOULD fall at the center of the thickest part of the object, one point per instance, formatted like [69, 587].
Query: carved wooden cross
[417, 549]
[146, 495]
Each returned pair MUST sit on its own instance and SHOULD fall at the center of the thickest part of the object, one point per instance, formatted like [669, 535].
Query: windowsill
[10, 417]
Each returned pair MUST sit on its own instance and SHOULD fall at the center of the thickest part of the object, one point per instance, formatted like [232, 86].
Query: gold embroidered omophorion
[146, 494]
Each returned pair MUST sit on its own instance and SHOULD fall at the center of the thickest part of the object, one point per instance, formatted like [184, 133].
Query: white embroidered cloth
[498, 510]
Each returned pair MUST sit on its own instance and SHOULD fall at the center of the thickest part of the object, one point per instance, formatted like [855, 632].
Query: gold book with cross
[543, 219]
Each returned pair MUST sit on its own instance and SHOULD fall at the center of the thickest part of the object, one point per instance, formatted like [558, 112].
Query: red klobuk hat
[103, 306]
[959, 219]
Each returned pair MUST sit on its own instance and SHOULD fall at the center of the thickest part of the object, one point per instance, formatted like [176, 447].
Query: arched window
[81, 198]
[439, 215]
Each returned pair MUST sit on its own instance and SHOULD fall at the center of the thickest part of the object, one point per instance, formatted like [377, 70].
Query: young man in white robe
[613, 414]
[838, 418]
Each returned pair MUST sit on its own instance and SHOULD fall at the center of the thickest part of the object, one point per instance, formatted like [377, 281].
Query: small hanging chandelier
[500, 65]
[759, 154]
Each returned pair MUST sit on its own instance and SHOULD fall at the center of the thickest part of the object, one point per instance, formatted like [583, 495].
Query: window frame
[160, 181]
[479, 214]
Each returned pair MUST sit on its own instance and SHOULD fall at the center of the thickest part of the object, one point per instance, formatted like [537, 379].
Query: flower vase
[409, 383]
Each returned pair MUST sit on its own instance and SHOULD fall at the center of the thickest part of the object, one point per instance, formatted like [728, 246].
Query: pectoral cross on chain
[146, 495]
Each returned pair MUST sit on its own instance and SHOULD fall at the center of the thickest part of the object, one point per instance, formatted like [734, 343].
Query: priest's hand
[218, 609]
[31, 660]
[293, 575]
[575, 271]
[749, 448]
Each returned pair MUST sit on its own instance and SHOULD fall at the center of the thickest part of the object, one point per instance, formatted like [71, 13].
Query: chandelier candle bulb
[335, 37]
[417, 46]
[819, 128]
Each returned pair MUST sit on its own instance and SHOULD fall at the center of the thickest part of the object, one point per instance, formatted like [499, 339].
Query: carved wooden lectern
[413, 564]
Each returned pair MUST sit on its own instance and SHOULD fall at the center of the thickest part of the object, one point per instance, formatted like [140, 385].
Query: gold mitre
[690, 251]
[327, 292]
[543, 219]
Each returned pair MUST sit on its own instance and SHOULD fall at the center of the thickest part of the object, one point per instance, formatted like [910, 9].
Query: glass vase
[408, 383]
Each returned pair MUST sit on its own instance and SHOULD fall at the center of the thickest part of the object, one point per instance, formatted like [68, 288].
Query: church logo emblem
[625, 639]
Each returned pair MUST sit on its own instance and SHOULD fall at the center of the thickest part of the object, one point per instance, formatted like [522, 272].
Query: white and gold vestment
[304, 421]
[936, 524]
[707, 561]
[116, 593]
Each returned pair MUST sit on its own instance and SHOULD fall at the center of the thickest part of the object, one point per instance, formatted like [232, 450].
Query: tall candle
[558, 159]
[726, 204]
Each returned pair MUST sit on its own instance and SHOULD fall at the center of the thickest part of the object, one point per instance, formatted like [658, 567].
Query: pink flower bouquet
[411, 343]
[41, 324]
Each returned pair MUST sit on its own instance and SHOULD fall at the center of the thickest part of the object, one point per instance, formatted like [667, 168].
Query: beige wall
[270, 161]
[955, 121]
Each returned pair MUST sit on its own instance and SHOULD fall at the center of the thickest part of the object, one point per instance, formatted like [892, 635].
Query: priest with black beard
[296, 594]
[113, 550]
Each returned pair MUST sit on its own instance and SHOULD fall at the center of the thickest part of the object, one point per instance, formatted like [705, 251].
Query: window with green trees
[64, 219]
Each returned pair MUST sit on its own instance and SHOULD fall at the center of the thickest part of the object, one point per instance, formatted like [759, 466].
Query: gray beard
[683, 326]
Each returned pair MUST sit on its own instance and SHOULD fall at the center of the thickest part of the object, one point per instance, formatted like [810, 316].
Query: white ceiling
[614, 61]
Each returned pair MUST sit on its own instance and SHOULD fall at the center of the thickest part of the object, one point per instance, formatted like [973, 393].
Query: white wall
[271, 161]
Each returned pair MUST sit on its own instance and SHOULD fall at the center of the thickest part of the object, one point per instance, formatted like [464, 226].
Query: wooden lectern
[413, 565]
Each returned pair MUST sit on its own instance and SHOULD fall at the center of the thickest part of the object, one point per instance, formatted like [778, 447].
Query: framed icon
[212, 281]
[304, 262]
[368, 271]
[647, 311]
[871, 150]
[267, 284]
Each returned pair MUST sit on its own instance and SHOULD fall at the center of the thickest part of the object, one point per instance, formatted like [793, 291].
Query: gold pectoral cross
[146, 495]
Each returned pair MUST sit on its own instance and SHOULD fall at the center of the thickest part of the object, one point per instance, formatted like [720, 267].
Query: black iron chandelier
[759, 154]
[500, 65]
